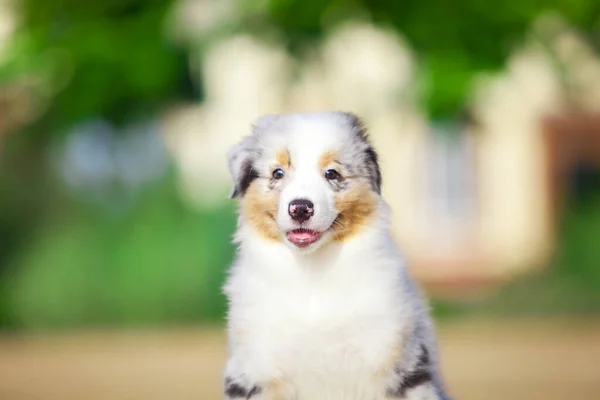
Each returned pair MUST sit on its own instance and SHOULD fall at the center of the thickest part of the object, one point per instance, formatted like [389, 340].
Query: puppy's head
[306, 179]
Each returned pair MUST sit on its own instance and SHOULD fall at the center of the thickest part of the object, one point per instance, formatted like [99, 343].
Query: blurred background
[115, 228]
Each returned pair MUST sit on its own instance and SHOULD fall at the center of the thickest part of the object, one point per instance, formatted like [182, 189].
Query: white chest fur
[327, 325]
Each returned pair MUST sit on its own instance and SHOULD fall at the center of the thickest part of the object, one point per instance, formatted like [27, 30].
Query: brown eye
[332, 175]
[278, 174]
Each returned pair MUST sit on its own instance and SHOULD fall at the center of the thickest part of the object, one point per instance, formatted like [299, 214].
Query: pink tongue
[302, 235]
[302, 238]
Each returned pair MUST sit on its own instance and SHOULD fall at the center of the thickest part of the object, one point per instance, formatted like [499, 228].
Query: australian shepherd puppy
[320, 303]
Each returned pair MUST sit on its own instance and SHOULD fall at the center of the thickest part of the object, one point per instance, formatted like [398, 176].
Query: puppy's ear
[373, 170]
[241, 167]
[370, 157]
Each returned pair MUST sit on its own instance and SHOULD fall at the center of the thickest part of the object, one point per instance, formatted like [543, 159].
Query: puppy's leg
[240, 389]
[416, 382]
[425, 391]
[240, 385]
[272, 390]
[416, 387]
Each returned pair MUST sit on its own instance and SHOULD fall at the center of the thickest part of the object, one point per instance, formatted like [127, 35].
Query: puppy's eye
[332, 175]
[278, 174]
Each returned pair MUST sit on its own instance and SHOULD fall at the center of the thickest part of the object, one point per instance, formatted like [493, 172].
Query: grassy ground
[533, 360]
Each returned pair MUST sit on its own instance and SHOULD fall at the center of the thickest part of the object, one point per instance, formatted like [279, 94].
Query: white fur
[323, 322]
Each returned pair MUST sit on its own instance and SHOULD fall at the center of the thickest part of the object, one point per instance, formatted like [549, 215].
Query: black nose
[301, 210]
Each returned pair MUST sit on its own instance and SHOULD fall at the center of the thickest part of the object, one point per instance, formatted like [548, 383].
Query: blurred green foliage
[112, 57]
[453, 39]
[155, 262]
[78, 60]
[109, 58]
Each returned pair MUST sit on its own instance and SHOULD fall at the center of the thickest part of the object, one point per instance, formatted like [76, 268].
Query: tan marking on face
[283, 158]
[355, 206]
[259, 208]
[328, 158]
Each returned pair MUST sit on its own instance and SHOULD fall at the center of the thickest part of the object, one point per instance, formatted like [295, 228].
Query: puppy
[320, 303]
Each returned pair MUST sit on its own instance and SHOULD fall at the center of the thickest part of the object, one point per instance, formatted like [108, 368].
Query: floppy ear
[371, 159]
[241, 167]
[373, 170]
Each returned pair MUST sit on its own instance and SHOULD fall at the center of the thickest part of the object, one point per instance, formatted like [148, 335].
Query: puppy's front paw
[237, 390]
[416, 383]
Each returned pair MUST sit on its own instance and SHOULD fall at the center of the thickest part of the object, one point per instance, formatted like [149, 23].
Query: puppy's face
[306, 179]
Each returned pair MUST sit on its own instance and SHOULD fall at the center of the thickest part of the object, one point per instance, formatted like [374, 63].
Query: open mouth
[303, 237]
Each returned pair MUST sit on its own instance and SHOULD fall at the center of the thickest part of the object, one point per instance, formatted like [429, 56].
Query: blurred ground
[548, 359]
